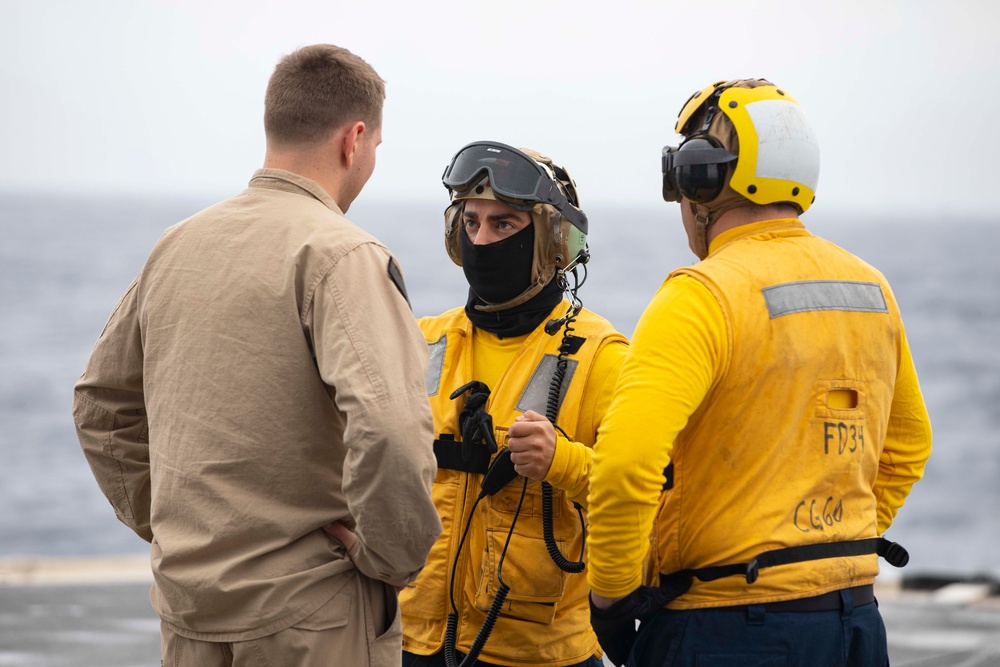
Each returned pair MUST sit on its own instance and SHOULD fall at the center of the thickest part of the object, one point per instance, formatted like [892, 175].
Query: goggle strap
[697, 156]
[566, 181]
[712, 108]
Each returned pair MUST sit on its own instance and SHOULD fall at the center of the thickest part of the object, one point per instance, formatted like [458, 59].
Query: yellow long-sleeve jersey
[776, 377]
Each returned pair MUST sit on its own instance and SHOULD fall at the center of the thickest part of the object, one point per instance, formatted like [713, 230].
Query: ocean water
[64, 262]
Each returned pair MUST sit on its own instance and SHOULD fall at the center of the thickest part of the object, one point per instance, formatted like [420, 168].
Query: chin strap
[702, 221]
[543, 279]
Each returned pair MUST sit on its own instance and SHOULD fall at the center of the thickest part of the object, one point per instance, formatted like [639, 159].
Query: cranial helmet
[527, 181]
[760, 149]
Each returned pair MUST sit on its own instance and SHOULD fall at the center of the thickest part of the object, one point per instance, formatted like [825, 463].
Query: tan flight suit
[262, 377]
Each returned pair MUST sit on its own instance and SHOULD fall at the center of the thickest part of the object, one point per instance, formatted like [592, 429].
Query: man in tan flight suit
[255, 406]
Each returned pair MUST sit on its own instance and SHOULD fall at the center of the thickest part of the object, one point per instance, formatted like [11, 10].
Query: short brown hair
[318, 89]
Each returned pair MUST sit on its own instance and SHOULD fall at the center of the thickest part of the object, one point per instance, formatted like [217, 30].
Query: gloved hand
[615, 626]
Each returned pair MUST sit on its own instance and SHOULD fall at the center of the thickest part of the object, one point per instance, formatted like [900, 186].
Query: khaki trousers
[359, 627]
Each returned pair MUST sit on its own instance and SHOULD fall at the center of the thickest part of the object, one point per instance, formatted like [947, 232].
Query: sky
[147, 97]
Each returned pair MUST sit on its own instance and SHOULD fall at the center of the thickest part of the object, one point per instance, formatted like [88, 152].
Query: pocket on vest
[536, 583]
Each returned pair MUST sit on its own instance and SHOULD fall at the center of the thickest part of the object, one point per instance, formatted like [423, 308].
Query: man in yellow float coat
[775, 380]
[516, 355]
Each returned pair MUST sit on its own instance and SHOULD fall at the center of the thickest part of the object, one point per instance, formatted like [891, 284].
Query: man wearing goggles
[775, 379]
[515, 178]
[516, 365]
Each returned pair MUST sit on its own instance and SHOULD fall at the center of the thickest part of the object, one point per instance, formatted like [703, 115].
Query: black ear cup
[701, 178]
[697, 170]
[701, 182]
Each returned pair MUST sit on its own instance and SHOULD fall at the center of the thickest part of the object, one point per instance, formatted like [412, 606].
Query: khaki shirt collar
[287, 181]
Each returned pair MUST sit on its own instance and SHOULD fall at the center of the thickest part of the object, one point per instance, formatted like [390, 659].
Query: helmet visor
[514, 178]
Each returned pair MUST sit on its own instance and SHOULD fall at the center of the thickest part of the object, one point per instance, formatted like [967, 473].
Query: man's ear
[349, 143]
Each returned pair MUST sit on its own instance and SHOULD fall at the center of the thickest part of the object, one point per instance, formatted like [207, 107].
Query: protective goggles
[696, 170]
[514, 177]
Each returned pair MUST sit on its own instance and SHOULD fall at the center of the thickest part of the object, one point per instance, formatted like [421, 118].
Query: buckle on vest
[896, 555]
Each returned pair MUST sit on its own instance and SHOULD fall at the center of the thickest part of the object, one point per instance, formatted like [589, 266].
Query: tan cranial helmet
[746, 142]
[528, 181]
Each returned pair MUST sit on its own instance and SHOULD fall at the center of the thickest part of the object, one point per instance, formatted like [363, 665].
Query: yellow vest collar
[779, 227]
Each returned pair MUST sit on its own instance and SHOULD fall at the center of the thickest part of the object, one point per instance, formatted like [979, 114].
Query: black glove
[615, 626]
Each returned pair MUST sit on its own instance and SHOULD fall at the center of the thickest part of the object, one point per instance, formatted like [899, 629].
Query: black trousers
[764, 636]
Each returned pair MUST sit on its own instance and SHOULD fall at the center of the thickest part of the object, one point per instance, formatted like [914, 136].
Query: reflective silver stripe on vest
[435, 365]
[806, 295]
[536, 394]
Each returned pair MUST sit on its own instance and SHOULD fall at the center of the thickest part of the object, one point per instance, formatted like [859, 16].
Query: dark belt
[860, 595]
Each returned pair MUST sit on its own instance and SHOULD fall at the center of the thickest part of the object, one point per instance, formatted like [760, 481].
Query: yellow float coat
[545, 619]
[775, 375]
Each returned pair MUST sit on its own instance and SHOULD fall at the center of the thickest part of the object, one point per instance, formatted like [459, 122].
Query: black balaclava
[498, 272]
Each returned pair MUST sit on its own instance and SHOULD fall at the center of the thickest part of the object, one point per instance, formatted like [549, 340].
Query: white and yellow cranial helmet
[760, 149]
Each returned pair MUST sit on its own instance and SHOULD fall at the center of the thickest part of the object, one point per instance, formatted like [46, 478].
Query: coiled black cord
[551, 412]
[451, 632]
[548, 533]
